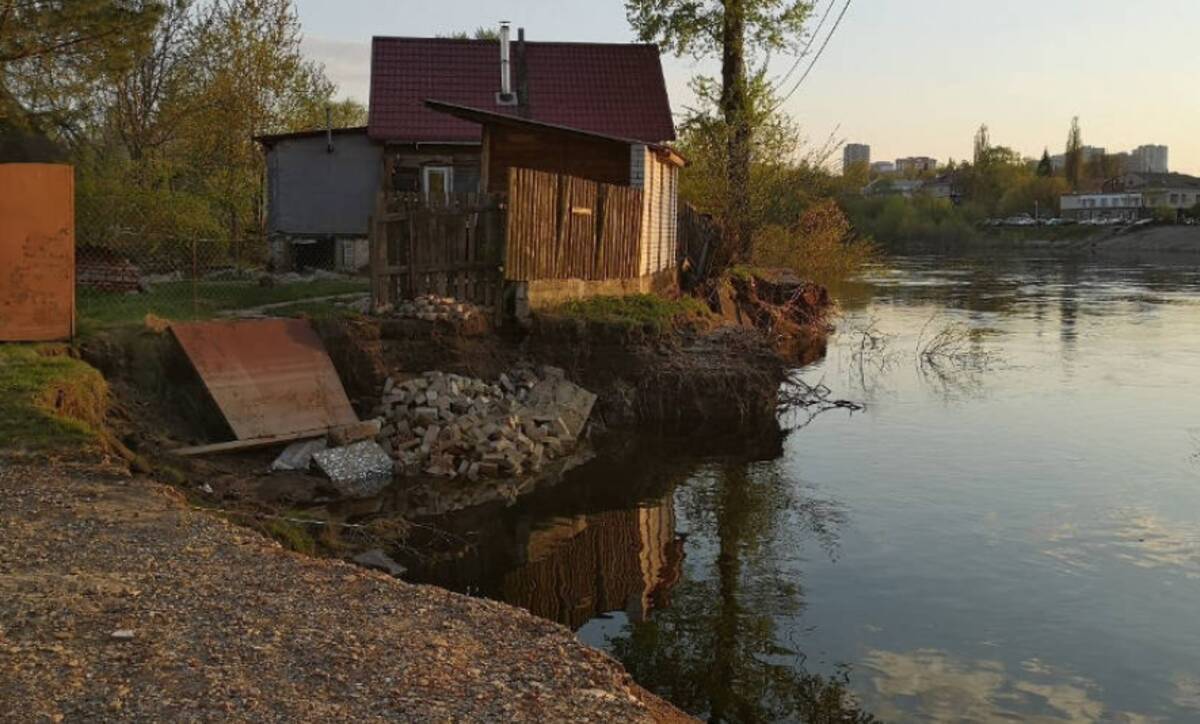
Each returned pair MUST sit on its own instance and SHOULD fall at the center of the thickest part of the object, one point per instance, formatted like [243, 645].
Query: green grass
[173, 300]
[638, 310]
[47, 399]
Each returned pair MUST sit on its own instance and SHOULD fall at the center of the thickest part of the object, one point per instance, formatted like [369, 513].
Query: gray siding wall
[311, 192]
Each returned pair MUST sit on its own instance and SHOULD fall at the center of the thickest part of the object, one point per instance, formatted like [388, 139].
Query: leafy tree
[1073, 168]
[703, 28]
[53, 53]
[983, 145]
[481, 33]
[1045, 167]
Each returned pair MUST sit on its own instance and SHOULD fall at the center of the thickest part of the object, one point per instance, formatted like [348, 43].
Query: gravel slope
[117, 601]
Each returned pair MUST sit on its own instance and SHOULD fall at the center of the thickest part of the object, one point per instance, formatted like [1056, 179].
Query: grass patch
[48, 400]
[174, 300]
[638, 310]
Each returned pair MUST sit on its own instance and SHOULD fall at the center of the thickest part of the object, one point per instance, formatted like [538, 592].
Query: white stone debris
[431, 307]
[359, 470]
[447, 425]
[298, 455]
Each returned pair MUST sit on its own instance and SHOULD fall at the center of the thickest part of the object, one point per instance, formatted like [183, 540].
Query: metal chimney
[506, 94]
[328, 128]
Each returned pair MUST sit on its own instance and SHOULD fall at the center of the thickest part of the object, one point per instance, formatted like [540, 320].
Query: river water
[1009, 530]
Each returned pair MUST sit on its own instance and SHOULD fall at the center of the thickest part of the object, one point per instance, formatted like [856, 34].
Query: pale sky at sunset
[908, 77]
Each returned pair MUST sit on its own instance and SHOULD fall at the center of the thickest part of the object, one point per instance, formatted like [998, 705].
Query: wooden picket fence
[699, 238]
[548, 226]
[450, 246]
[563, 227]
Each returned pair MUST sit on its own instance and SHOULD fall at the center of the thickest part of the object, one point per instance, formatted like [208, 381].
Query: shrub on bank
[821, 246]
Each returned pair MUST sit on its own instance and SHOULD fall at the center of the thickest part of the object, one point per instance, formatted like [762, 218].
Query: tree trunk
[734, 102]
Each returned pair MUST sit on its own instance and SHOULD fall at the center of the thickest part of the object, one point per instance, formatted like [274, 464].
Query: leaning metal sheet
[37, 252]
[268, 376]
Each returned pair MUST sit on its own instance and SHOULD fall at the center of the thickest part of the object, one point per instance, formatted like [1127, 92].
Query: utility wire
[820, 51]
[807, 46]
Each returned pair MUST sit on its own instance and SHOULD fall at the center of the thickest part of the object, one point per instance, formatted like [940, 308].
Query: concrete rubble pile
[447, 425]
[431, 308]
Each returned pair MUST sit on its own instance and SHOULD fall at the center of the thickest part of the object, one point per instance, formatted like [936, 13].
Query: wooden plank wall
[564, 227]
[699, 237]
[450, 247]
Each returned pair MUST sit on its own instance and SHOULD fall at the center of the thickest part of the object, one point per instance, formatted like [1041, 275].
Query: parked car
[1020, 220]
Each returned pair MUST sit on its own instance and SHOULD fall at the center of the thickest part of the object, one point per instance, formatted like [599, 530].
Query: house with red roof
[450, 116]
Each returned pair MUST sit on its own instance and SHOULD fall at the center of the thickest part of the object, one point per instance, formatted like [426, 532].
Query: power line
[807, 46]
[817, 57]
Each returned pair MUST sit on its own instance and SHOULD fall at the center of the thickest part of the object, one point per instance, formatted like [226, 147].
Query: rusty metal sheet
[37, 252]
[269, 377]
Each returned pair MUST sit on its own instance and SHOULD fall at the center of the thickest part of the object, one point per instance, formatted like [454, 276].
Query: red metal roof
[607, 88]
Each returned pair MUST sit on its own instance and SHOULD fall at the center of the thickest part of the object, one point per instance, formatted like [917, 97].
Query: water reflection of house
[580, 567]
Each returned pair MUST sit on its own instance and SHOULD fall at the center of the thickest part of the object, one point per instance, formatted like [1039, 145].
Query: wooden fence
[563, 227]
[699, 238]
[449, 246]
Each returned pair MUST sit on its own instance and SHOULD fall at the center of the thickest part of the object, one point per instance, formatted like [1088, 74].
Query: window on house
[466, 179]
[439, 181]
[1174, 198]
[406, 179]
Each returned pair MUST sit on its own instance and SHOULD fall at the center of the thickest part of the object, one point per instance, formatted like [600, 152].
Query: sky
[907, 77]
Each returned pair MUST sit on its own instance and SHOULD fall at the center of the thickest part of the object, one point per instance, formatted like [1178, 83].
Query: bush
[1165, 215]
[894, 219]
[820, 246]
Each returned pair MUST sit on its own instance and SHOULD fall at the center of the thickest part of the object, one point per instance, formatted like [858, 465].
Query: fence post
[378, 251]
[195, 291]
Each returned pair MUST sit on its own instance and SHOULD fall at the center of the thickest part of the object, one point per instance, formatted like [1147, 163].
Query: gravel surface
[118, 601]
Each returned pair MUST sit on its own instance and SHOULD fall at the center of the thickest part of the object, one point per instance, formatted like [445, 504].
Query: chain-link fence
[125, 272]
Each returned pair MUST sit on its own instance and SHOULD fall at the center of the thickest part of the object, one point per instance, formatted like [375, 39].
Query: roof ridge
[594, 43]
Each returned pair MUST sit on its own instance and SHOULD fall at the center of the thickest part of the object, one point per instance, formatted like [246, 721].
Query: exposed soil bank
[117, 601]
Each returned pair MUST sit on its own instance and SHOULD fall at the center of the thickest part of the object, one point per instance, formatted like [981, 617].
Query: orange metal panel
[37, 252]
[268, 376]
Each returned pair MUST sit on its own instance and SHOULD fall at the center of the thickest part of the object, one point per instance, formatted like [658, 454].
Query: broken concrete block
[358, 471]
[298, 455]
[346, 434]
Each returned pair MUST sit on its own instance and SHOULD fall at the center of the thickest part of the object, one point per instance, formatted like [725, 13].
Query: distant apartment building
[916, 164]
[1059, 161]
[1148, 159]
[880, 168]
[855, 154]
[893, 187]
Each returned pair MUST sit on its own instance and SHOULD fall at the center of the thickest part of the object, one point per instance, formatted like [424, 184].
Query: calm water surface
[1014, 534]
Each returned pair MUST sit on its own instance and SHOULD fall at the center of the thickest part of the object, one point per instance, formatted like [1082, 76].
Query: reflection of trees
[716, 651]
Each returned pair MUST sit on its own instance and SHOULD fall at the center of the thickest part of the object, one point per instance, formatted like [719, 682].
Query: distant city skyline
[1124, 69]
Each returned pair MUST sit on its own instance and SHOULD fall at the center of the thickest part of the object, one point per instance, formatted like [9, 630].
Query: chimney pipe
[522, 85]
[328, 128]
[505, 65]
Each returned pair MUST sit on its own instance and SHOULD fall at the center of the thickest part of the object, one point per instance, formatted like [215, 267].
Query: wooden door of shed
[37, 252]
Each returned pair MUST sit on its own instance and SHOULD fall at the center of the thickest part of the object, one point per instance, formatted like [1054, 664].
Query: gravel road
[119, 602]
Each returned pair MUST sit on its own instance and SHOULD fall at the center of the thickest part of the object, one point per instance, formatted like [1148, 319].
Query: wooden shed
[511, 142]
